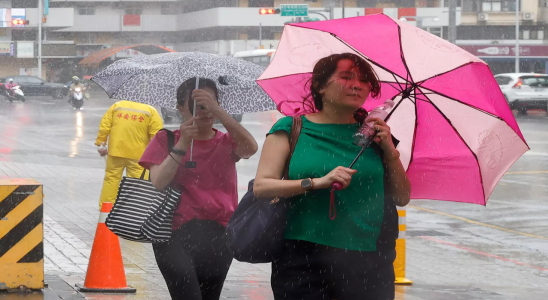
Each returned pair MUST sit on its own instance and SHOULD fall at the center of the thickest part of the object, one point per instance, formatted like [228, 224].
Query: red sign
[506, 50]
[132, 20]
[373, 11]
[407, 12]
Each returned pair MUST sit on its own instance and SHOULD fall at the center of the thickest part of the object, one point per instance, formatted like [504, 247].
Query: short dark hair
[186, 88]
[323, 70]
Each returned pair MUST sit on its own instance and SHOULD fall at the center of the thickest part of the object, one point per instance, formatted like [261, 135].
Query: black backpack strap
[170, 138]
[170, 144]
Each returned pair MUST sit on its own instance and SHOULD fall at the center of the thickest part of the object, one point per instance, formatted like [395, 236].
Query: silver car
[524, 91]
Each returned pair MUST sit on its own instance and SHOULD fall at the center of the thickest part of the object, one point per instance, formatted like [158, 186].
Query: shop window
[437, 31]
[24, 4]
[432, 3]
[261, 3]
[540, 35]
[89, 39]
[168, 9]
[86, 11]
[134, 11]
[526, 34]
[498, 5]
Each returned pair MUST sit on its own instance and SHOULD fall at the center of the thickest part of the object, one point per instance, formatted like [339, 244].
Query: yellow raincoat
[129, 127]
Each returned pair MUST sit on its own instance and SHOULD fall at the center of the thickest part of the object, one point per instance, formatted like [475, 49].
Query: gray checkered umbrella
[154, 79]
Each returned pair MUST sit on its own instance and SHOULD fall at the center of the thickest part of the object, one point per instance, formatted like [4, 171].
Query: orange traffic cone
[105, 272]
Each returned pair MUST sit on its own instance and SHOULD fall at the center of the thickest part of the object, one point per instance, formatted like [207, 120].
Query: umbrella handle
[192, 164]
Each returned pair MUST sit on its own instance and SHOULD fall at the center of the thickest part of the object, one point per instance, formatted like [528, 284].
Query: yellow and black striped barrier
[21, 234]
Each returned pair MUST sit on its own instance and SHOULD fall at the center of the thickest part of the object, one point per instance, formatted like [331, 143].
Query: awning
[95, 58]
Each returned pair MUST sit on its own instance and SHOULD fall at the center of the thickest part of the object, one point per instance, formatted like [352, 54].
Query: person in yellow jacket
[129, 127]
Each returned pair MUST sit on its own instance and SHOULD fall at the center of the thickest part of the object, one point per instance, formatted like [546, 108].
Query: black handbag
[256, 229]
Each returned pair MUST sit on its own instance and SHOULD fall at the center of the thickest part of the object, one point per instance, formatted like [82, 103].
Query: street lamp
[517, 37]
[419, 19]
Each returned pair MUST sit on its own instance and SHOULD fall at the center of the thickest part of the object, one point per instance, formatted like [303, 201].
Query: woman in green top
[350, 256]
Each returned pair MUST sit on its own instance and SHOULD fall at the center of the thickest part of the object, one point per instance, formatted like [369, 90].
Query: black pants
[195, 261]
[311, 271]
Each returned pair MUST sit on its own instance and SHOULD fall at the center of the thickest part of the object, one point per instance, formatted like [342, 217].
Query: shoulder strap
[170, 144]
[293, 138]
[170, 138]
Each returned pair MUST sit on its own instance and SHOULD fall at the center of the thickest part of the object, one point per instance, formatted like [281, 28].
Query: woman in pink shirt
[195, 261]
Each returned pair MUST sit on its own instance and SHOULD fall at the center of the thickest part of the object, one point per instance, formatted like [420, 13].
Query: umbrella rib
[366, 58]
[466, 144]
[395, 87]
[459, 101]
[441, 74]
[399, 83]
[402, 55]
[414, 136]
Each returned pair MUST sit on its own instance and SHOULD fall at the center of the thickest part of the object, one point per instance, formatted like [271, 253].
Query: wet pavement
[454, 251]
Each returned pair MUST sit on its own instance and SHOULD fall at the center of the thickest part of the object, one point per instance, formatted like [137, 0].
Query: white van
[261, 57]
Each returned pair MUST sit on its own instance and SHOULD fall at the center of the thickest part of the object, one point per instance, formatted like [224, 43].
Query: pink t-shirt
[210, 191]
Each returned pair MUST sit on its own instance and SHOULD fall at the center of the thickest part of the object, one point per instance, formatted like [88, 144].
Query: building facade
[73, 29]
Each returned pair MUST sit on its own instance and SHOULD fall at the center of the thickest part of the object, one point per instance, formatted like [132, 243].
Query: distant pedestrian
[129, 127]
[195, 261]
[342, 248]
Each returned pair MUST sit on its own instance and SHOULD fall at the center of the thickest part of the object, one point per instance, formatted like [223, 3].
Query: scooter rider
[75, 84]
[9, 87]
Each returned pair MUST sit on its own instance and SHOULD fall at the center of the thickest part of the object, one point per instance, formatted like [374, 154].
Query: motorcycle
[77, 98]
[15, 94]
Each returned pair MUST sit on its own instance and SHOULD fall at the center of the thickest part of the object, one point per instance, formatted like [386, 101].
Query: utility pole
[331, 9]
[452, 34]
[40, 16]
[343, 6]
[260, 36]
[517, 36]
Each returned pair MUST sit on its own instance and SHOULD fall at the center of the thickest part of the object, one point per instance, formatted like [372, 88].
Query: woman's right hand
[188, 132]
[340, 175]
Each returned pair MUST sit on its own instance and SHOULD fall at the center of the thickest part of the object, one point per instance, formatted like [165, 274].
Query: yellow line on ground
[479, 223]
[526, 172]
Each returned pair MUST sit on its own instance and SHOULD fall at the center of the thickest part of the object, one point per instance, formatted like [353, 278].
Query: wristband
[178, 152]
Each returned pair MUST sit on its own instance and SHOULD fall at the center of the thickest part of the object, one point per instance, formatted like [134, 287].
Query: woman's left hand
[384, 136]
[207, 101]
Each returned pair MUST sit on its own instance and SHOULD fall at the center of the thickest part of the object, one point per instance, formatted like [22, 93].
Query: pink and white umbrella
[457, 134]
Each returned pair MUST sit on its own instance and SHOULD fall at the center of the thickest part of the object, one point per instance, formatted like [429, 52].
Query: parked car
[168, 114]
[34, 86]
[524, 91]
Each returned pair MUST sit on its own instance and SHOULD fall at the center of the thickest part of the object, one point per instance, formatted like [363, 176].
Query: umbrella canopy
[457, 134]
[154, 80]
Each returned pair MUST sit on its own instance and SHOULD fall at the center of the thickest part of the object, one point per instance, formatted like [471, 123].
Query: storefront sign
[25, 49]
[6, 49]
[506, 50]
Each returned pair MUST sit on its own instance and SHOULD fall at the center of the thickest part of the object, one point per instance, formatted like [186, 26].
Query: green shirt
[360, 207]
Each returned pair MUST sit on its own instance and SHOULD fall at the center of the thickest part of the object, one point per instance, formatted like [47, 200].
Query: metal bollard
[399, 263]
[21, 234]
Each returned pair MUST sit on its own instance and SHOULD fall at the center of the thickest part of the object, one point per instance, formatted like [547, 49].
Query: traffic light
[269, 11]
[19, 22]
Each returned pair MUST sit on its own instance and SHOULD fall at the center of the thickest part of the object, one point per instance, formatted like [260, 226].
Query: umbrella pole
[375, 134]
[192, 164]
